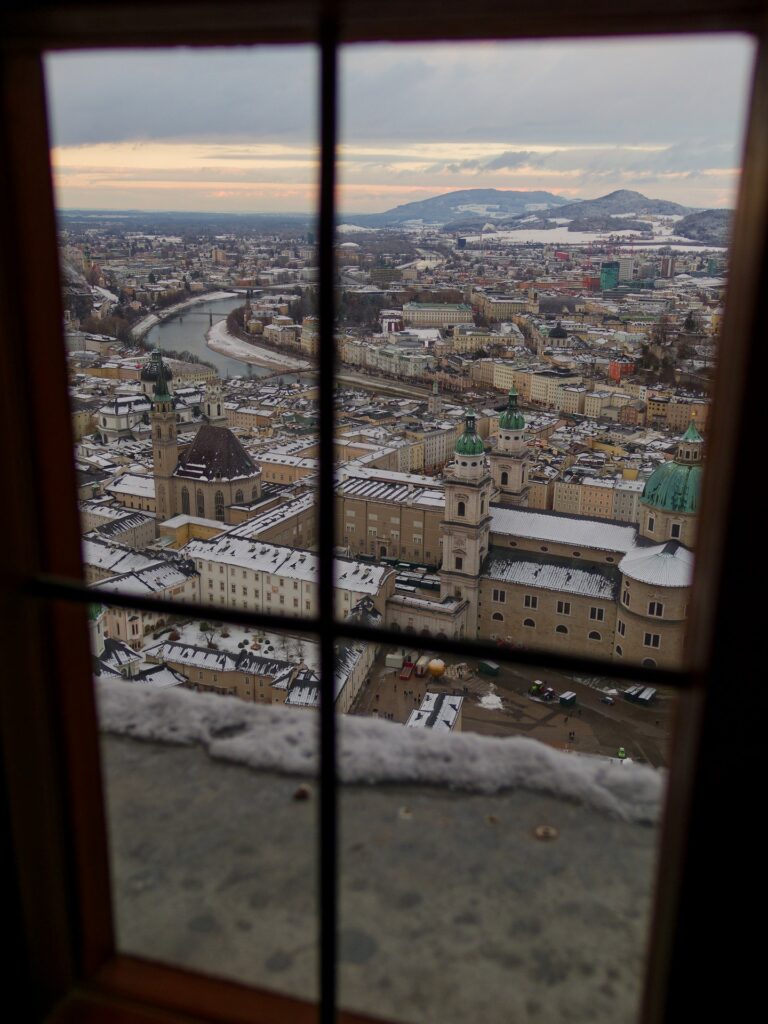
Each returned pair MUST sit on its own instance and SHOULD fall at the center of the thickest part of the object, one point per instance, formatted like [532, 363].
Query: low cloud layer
[228, 129]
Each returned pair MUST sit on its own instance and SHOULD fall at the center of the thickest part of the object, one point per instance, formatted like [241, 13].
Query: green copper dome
[512, 418]
[674, 487]
[469, 443]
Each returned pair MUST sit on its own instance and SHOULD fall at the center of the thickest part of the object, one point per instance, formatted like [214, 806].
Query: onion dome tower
[509, 462]
[465, 528]
[152, 369]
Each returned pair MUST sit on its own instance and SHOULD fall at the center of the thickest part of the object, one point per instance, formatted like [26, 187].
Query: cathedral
[561, 583]
[213, 472]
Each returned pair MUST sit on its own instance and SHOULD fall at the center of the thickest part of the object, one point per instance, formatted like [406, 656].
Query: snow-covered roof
[291, 563]
[664, 565]
[581, 533]
[588, 581]
[437, 711]
[131, 483]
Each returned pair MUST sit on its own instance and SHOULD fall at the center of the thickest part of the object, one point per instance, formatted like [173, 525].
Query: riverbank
[220, 340]
[143, 326]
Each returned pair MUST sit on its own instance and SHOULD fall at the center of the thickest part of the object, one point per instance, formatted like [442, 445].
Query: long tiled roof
[574, 530]
[558, 574]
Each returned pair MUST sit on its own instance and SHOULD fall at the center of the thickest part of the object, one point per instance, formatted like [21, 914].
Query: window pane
[211, 795]
[499, 847]
[186, 185]
[189, 261]
[531, 281]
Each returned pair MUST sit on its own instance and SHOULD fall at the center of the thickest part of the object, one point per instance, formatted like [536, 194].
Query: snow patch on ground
[281, 739]
[491, 702]
[220, 340]
[352, 229]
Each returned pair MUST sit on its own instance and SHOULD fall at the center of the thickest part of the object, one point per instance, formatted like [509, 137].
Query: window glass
[187, 233]
[538, 285]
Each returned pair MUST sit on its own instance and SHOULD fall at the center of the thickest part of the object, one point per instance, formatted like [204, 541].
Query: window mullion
[328, 831]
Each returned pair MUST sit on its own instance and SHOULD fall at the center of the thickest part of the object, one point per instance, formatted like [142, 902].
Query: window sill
[451, 908]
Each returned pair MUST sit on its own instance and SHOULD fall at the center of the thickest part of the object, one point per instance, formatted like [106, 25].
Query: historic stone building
[213, 472]
[561, 583]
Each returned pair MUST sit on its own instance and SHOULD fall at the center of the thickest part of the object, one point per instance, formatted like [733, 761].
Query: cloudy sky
[236, 129]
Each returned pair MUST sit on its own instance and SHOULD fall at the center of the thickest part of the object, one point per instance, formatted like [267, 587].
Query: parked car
[605, 699]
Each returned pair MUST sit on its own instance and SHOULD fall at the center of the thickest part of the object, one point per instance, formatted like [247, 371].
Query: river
[186, 333]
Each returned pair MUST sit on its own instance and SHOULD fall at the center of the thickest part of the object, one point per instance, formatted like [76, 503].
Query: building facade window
[218, 504]
[594, 635]
[530, 601]
[563, 607]
[656, 608]
[185, 501]
[652, 640]
[500, 596]
[597, 614]
[529, 623]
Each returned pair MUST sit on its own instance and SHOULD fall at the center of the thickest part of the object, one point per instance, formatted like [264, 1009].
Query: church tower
[510, 460]
[165, 452]
[466, 528]
[435, 402]
[213, 409]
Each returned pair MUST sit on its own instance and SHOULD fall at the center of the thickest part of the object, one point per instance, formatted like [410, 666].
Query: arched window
[498, 617]
[594, 635]
[200, 504]
[561, 629]
[530, 623]
[649, 663]
[238, 496]
[504, 478]
[185, 501]
[461, 509]
[218, 504]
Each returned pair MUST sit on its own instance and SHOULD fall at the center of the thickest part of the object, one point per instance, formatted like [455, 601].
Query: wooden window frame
[60, 922]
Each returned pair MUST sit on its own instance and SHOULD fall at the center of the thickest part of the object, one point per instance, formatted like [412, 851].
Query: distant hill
[713, 227]
[622, 201]
[466, 205]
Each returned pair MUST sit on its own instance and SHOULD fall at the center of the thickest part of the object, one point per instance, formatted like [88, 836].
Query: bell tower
[510, 460]
[465, 530]
[165, 451]
[214, 405]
